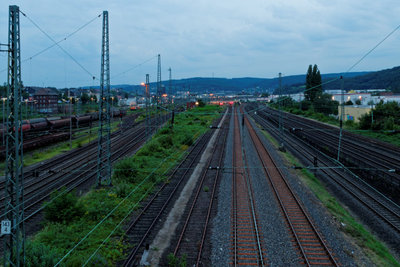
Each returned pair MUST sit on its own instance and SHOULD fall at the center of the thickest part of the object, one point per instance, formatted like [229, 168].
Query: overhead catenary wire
[356, 63]
[63, 39]
[134, 67]
[57, 44]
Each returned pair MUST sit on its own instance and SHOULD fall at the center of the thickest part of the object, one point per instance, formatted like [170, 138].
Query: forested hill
[202, 85]
[384, 79]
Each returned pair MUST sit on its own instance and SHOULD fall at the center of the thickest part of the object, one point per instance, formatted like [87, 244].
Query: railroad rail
[72, 170]
[376, 202]
[313, 248]
[356, 150]
[192, 237]
[247, 244]
[140, 228]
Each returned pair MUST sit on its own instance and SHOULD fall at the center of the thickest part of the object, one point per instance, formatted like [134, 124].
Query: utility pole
[341, 116]
[158, 94]
[170, 87]
[172, 105]
[12, 226]
[4, 124]
[147, 95]
[70, 119]
[280, 111]
[104, 142]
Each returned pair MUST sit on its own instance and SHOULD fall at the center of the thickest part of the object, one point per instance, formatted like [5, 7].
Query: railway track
[191, 239]
[72, 170]
[139, 230]
[373, 200]
[246, 236]
[371, 158]
[312, 247]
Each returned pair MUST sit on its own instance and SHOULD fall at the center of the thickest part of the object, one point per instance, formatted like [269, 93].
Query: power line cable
[372, 49]
[355, 64]
[134, 67]
[57, 44]
[62, 40]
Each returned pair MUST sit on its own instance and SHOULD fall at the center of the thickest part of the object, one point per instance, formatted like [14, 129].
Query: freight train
[51, 124]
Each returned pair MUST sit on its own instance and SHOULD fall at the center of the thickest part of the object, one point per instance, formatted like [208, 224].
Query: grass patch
[133, 180]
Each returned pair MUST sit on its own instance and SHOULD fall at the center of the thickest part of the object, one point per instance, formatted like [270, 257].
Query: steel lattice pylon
[148, 120]
[170, 87]
[159, 90]
[14, 254]
[104, 142]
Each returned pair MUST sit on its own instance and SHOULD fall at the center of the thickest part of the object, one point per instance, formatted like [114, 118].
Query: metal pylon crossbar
[104, 142]
[14, 243]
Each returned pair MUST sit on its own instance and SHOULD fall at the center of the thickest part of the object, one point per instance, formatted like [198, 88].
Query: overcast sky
[202, 38]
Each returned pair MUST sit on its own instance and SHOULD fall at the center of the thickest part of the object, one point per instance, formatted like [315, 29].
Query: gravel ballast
[277, 240]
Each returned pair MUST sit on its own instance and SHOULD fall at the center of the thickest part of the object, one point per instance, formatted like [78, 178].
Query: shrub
[64, 208]
[101, 202]
[201, 103]
[165, 141]
[174, 261]
[349, 123]
[122, 190]
[37, 254]
[388, 123]
[187, 140]
[165, 130]
[125, 170]
[365, 122]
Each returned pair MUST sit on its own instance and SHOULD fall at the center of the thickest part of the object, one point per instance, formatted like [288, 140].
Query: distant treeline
[385, 79]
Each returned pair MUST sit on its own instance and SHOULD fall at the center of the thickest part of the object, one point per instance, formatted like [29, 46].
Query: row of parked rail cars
[51, 129]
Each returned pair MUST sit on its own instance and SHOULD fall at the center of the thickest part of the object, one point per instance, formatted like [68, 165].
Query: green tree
[386, 117]
[85, 98]
[313, 83]
[324, 104]
[64, 207]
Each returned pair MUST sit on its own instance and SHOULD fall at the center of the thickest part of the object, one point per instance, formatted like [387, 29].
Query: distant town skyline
[201, 38]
